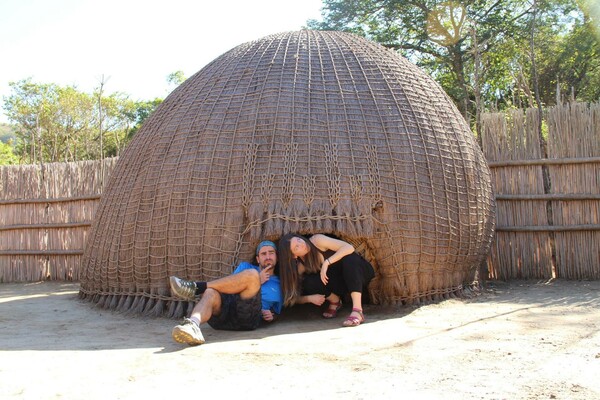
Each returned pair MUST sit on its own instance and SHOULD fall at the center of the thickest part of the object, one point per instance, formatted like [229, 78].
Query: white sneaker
[188, 333]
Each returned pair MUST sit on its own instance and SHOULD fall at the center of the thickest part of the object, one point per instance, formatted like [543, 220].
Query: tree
[176, 78]
[55, 123]
[574, 65]
[30, 108]
[434, 34]
[7, 156]
[118, 120]
[139, 113]
[481, 45]
[6, 132]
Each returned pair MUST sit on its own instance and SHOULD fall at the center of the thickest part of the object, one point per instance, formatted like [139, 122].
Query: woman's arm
[341, 248]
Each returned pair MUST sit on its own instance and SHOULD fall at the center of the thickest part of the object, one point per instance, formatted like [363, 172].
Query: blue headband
[265, 243]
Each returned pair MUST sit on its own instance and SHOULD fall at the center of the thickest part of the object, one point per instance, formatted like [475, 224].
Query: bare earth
[518, 340]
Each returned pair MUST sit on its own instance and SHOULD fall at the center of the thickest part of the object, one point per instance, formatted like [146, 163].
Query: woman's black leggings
[350, 274]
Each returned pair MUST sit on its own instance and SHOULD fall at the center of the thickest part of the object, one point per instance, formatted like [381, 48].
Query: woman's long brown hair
[289, 277]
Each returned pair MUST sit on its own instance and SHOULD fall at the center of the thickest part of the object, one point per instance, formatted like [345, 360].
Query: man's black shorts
[238, 314]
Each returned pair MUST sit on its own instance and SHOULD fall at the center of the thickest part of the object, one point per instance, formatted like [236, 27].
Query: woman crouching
[323, 268]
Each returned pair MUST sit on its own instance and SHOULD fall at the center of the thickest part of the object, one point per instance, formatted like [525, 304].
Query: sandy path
[522, 340]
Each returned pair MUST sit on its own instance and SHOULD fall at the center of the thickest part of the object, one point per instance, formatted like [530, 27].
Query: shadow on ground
[50, 316]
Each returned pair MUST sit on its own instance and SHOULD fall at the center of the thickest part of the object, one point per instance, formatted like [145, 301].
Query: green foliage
[437, 35]
[176, 78]
[7, 156]
[576, 65]
[141, 112]
[6, 133]
[448, 39]
[54, 123]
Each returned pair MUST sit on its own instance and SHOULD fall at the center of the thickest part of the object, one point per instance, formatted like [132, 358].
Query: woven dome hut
[307, 132]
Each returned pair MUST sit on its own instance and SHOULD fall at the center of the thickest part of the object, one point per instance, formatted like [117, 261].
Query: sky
[131, 45]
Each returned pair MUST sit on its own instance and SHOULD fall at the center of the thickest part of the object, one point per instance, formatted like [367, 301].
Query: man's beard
[270, 264]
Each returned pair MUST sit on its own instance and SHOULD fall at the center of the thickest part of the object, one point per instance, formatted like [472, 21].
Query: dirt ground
[518, 340]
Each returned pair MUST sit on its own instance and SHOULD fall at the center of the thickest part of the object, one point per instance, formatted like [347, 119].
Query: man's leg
[209, 304]
[246, 283]
[189, 331]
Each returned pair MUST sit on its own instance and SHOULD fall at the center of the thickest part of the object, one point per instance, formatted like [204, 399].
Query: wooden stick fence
[45, 213]
[545, 230]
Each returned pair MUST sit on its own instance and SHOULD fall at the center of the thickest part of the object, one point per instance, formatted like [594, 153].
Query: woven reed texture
[305, 132]
[574, 132]
[538, 235]
[45, 213]
[514, 136]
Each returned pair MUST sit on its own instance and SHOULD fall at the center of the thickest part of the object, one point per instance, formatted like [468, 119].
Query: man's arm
[268, 315]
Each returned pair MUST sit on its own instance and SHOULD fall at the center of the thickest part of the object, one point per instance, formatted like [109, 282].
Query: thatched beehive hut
[303, 131]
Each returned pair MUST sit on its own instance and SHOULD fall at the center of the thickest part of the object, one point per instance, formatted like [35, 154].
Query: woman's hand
[324, 243]
[324, 267]
[316, 299]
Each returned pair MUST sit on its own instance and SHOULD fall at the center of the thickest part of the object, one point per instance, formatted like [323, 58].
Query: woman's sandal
[332, 309]
[354, 321]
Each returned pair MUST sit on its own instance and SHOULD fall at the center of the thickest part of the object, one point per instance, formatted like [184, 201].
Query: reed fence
[547, 192]
[547, 196]
[45, 214]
